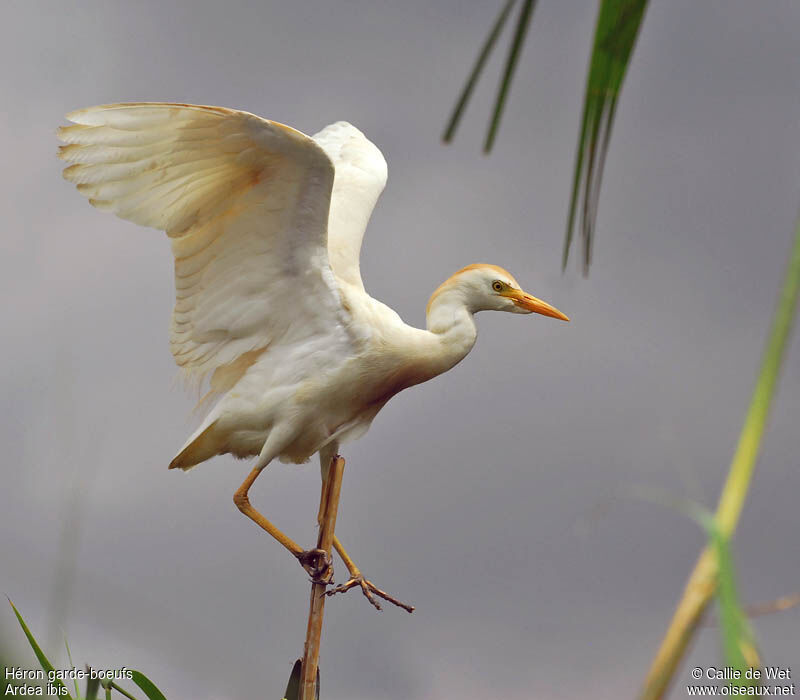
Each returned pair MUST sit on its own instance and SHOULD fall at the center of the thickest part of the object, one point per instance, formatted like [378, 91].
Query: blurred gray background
[493, 498]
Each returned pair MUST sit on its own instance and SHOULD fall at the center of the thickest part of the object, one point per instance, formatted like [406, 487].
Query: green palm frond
[618, 24]
[514, 51]
[477, 69]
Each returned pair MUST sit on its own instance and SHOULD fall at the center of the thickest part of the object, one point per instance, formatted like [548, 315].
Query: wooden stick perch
[329, 509]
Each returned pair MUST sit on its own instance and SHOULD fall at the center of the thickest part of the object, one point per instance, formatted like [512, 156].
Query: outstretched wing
[245, 203]
[360, 179]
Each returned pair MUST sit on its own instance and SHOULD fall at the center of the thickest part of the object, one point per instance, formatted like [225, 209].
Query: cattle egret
[266, 226]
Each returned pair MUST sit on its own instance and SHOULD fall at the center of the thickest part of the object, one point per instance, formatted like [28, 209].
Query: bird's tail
[203, 445]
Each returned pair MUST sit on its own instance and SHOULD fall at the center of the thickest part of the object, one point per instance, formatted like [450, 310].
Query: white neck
[450, 320]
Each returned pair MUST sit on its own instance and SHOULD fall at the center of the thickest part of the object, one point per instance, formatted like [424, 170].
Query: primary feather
[245, 204]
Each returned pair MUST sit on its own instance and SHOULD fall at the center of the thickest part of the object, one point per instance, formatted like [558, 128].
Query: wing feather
[245, 202]
[360, 178]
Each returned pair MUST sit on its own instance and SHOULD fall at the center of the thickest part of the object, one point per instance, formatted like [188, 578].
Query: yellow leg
[357, 579]
[352, 569]
[315, 561]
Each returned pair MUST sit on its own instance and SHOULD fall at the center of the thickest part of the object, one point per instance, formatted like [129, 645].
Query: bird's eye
[497, 285]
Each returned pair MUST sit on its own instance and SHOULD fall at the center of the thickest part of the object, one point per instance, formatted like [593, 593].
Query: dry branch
[329, 508]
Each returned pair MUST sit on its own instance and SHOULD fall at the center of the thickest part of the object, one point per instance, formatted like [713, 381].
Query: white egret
[266, 226]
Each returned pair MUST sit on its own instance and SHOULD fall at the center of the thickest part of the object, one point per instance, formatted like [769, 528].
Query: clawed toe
[318, 564]
[368, 589]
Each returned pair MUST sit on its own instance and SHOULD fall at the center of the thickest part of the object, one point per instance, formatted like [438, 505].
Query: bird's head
[484, 287]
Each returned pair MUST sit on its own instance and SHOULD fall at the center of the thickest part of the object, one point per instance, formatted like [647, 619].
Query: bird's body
[312, 396]
[266, 227]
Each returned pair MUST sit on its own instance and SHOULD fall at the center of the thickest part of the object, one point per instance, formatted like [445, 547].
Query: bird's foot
[318, 564]
[368, 589]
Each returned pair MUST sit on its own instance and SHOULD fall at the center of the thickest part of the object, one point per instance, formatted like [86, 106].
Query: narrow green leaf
[483, 56]
[616, 31]
[739, 644]
[92, 688]
[44, 662]
[511, 65]
[72, 664]
[744, 459]
[147, 686]
[734, 492]
[738, 640]
[292, 691]
[576, 184]
[120, 689]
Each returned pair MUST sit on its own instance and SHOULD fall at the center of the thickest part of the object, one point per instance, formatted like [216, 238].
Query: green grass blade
[92, 688]
[121, 690]
[740, 647]
[147, 686]
[744, 459]
[616, 31]
[511, 64]
[738, 640]
[72, 664]
[477, 69]
[697, 592]
[44, 662]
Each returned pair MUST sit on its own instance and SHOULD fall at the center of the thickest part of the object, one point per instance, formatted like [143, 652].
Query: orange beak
[529, 303]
